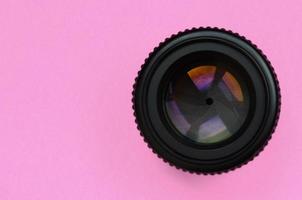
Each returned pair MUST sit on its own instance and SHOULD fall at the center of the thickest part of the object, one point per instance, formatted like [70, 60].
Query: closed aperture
[207, 103]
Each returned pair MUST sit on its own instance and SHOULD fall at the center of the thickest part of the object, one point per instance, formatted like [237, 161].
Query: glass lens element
[207, 104]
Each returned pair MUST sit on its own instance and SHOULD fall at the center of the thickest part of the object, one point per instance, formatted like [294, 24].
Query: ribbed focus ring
[157, 49]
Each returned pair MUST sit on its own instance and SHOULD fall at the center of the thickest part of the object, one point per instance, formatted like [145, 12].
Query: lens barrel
[206, 100]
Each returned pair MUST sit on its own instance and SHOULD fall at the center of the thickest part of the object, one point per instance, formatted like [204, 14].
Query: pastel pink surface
[66, 74]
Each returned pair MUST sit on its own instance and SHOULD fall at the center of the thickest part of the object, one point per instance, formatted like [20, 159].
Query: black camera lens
[206, 100]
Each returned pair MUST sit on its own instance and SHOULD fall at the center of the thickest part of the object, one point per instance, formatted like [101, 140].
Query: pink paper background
[66, 74]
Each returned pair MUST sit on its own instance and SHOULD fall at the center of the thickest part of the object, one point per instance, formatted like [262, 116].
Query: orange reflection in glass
[233, 85]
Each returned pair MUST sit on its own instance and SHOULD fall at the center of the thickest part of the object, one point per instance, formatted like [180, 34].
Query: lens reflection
[207, 103]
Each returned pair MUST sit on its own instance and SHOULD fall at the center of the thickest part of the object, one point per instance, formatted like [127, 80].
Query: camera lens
[206, 100]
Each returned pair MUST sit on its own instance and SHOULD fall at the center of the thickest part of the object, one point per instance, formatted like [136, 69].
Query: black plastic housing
[150, 86]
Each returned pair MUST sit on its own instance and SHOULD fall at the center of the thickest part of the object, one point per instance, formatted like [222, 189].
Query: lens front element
[207, 104]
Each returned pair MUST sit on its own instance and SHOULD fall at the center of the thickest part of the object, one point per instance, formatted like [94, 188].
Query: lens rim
[147, 107]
